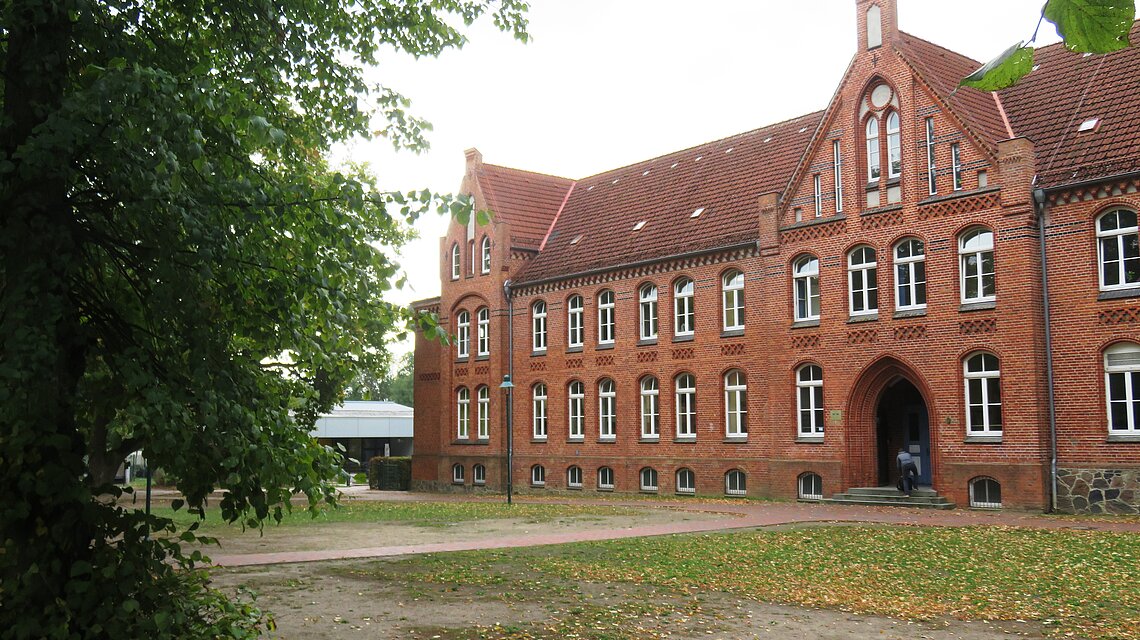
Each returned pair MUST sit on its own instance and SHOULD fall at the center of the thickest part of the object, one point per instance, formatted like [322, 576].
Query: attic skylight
[1088, 125]
[615, 181]
[802, 129]
[729, 150]
[590, 188]
[576, 239]
[768, 139]
[674, 165]
[698, 159]
[645, 173]
[697, 213]
[639, 225]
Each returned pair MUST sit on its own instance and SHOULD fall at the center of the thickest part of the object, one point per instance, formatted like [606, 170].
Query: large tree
[183, 273]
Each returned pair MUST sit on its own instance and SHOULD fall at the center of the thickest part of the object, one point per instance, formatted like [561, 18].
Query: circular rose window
[880, 96]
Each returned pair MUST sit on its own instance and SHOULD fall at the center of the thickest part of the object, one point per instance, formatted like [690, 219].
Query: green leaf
[463, 216]
[483, 218]
[1003, 71]
[1092, 26]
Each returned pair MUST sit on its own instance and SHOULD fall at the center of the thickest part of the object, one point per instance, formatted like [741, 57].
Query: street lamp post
[509, 386]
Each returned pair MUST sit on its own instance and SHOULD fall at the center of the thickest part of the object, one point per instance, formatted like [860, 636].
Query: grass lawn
[1084, 583]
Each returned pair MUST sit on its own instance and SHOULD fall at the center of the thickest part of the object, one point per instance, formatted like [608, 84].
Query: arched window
[648, 479]
[874, 167]
[577, 410]
[606, 317]
[605, 479]
[863, 281]
[1122, 382]
[455, 263]
[575, 325]
[894, 146]
[650, 409]
[538, 475]
[806, 282]
[484, 415]
[486, 253]
[976, 253]
[684, 311]
[732, 283]
[574, 477]
[809, 401]
[686, 405]
[686, 481]
[539, 412]
[463, 334]
[479, 474]
[463, 413]
[457, 473]
[983, 395]
[647, 296]
[538, 325]
[910, 274]
[985, 493]
[735, 483]
[484, 317]
[810, 486]
[607, 410]
[735, 404]
[1118, 249]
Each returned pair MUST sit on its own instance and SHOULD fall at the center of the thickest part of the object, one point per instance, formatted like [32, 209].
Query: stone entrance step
[921, 497]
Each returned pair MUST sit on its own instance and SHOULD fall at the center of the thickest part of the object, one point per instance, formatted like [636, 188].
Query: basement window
[639, 225]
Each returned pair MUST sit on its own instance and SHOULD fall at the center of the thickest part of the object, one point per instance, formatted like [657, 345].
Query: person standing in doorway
[908, 471]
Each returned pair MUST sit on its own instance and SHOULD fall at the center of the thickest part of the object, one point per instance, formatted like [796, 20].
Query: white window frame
[485, 252]
[865, 268]
[576, 410]
[575, 321]
[650, 408]
[538, 476]
[606, 317]
[931, 160]
[735, 483]
[874, 162]
[686, 481]
[647, 299]
[1117, 239]
[684, 309]
[605, 478]
[463, 334]
[732, 288]
[1127, 370]
[837, 154]
[817, 194]
[457, 473]
[483, 413]
[977, 253]
[685, 403]
[538, 326]
[462, 413]
[978, 502]
[471, 253]
[647, 479]
[539, 416]
[574, 477]
[607, 409]
[894, 145]
[483, 319]
[809, 493]
[910, 274]
[478, 474]
[956, 165]
[735, 395]
[806, 305]
[809, 402]
[986, 380]
[456, 268]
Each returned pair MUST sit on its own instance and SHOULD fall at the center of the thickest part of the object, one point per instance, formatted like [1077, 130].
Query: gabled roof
[1067, 89]
[725, 178]
[526, 200]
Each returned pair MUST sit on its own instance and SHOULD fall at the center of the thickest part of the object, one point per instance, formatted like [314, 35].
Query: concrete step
[898, 497]
[889, 491]
[947, 505]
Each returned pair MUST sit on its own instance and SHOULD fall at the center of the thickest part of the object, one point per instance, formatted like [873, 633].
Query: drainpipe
[1042, 209]
[510, 392]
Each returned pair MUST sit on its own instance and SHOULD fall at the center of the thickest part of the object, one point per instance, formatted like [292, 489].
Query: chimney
[474, 160]
[878, 22]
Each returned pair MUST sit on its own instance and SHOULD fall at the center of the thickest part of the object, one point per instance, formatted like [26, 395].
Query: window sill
[685, 439]
[482, 442]
[1119, 294]
[864, 317]
[605, 489]
[607, 440]
[1123, 437]
[909, 313]
[535, 354]
[809, 439]
[483, 358]
[651, 492]
[462, 360]
[576, 439]
[479, 484]
[688, 337]
[574, 488]
[647, 342]
[538, 486]
[604, 346]
[736, 439]
[466, 443]
[983, 439]
[732, 333]
[649, 439]
[577, 349]
[877, 210]
[458, 483]
[978, 306]
[686, 492]
[805, 324]
[537, 440]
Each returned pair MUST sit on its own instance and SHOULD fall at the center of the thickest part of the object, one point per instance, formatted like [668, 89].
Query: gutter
[1042, 209]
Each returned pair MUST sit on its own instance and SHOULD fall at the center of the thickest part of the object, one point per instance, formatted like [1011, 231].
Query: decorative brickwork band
[732, 349]
[914, 332]
[650, 356]
[538, 365]
[604, 361]
[958, 205]
[482, 370]
[574, 363]
[1096, 192]
[881, 220]
[813, 232]
[428, 377]
[461, 372]
[1119, 316]
[863, 336]
[805, 342]
[684, 353]
[977, 327]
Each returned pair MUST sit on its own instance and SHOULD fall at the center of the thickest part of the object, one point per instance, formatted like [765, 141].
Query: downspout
[1042, 209]
[510, 392]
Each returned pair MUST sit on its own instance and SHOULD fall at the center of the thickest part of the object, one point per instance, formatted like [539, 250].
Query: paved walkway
[745, 515]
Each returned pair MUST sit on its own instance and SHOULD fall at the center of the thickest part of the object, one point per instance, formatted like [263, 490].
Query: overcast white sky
[605, 83]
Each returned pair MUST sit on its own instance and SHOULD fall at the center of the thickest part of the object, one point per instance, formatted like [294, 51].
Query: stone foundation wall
[1098, 490]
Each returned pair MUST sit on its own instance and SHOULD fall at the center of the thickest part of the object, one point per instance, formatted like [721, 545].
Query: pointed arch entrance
[889, 410]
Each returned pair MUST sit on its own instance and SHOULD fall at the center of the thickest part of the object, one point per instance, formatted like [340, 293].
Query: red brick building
[779, 312]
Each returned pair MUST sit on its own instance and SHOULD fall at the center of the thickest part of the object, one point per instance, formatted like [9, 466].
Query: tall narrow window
[733, 287]
[484, 317]
[809, 401]
[863, 281]
[455, 268]
[574, 321]
[686, 401]
[735, 404]
[817, 195]
[684, 313]
[873, 166]
[538, 325]
[607, 410]
[650, 410]
[956, 165]
[471, 253]
[463, 413]
[484, 397]
[463, 334]
[894, 146]
[931, 167]
[983, 395]
[910, 275]
[539, 414]
[976, 250]
[606, 317]
[837, 154]
[647, 295]
[485, 267]
[806, 274]
[1122, 380]
[1118, 248]
[577, 410]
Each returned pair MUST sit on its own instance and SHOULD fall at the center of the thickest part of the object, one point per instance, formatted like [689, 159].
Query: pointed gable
[527, 201]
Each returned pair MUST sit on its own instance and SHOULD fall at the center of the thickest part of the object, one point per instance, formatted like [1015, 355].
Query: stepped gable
[527, 201]
[1067, 89]
[724, 177]
[943, 69]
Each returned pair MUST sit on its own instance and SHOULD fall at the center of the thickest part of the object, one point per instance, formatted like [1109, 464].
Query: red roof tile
[526, 200]
[724, 177]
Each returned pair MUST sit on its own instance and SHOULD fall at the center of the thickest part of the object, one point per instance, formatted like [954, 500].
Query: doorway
[902, 422]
